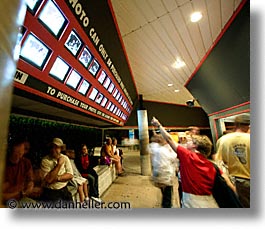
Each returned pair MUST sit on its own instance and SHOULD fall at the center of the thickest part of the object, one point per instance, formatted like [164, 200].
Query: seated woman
[107, 155]
[87, 171]
[116, 150]
[78, 181]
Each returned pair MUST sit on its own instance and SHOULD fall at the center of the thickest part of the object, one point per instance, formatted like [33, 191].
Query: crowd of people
[59, 168]
[187, 156]
[195, 168]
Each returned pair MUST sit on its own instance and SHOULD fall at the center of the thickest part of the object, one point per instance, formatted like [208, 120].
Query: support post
[13, 15]
[143, 139]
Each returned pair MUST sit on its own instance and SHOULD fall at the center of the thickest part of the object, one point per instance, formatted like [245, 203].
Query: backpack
[223, 194]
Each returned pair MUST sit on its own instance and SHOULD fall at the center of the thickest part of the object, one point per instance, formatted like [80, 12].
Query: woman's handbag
[223, 194]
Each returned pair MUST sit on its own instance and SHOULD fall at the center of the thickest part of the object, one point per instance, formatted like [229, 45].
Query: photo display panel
[53, 18]
[99, 98]
[115, 92]
[73, 79]
[109, 105]
[85, 57]
[102, 76]
[83, 89]
[73, 43]
[124, 117]
[104, 101]
[120, 99]
[60, 69]
[118, 95]
[34, 51]
[107, 82]
[111, 88]
[33, 5]
[59, 57]
[93, 94]
[112, 107]
[94, 67]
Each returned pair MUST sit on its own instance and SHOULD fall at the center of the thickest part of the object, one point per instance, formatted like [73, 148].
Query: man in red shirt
[18, 181]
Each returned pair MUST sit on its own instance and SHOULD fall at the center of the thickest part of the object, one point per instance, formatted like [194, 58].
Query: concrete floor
[134, 188]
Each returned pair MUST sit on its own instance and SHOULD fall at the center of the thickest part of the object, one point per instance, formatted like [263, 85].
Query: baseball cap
[243, 119]
[58, 142]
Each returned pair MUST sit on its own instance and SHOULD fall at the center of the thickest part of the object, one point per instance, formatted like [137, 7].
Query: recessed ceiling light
[177, 90]
[178, 63]
[196, 16]
[170, 84]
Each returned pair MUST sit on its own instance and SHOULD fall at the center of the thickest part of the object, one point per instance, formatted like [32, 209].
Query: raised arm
[165, 134]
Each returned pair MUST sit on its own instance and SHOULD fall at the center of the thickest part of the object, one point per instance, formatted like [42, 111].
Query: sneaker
[96, 199]
[87, 199]
[122, 174]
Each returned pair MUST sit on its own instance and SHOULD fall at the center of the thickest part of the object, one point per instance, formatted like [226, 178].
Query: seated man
[56, 172]
[18, 179]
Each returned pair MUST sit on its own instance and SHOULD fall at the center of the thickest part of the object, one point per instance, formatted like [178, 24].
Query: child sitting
[78, 181]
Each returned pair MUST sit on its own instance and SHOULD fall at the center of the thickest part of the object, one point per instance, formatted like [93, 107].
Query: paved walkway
[134, 188]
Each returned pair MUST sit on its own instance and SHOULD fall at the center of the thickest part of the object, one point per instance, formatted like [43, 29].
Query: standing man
[164, 166]
[234, 149]
[57, 171]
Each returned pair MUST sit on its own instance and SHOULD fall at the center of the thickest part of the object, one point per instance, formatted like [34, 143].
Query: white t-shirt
[116, 150]
[164, 163]
[48, 163]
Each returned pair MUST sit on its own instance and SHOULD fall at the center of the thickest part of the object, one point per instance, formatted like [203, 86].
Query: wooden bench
[96, 151]
[106, 175]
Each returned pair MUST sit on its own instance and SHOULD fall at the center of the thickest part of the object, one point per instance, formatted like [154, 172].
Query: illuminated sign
[58, 59]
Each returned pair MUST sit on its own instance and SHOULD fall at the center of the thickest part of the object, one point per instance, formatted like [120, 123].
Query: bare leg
[117, 161]
[81, 193]
[85, 189]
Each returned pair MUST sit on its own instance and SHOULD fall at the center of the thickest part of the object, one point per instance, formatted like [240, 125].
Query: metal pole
[12, 16]
[143, 139]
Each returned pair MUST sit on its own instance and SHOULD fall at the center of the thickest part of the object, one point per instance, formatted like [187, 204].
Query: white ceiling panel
[158, 32]
[203, 24]
[214, 17]
[227, 9]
